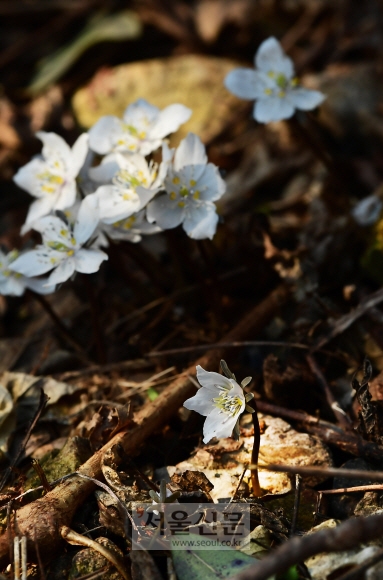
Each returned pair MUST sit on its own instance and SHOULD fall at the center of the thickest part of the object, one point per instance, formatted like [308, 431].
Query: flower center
[50, 182]
[229, 404]
[182, 191]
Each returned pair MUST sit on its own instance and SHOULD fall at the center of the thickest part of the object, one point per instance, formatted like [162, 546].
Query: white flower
[272, 85]
[131, 229]
[51, 177]
[141, 130]
[63, 247]
[192, 184]
[13, 283]
[134, 183]
[220, 400]
[367, 211]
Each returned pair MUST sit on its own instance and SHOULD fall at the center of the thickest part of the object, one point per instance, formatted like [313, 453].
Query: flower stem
[254, 455]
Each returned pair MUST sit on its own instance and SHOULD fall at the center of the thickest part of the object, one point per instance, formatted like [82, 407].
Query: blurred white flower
[192, 185]
[13, 283]
[367, 211]
[273, 86]
[51, 176]
[63, 248]
[141, 130]
[134, 182]
[130, 230]
[221, 400]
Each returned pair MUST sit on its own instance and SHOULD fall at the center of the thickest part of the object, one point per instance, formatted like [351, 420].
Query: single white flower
[141, 130]
[273, 86]
[192, 185]
[368, 210]
[13, 283]
[134, 182]
[63, 248]
[131, 229]
[221, 400]
[51, 176]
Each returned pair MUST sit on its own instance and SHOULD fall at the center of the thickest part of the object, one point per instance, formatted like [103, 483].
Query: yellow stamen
[192, 183]
[176, 180]
[281, 94]
[268, 92]
[196, 195]
[70, 252]
[173, 195]
[181, 204]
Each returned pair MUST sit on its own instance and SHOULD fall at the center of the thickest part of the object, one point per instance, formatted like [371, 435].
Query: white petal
[102, 136]
[53, 144]
[26, 176]
[210, 184]
[202, 402]
[62, 273]
[135, 112]
[78, 155]
[245, 83]
[107, 169]
[39, 208]
[165, 212]
[218, 424]
[34, 263]
[145, 195]
[209, 380]
[12, 286]
[67, 196]
[201, 221]
[39, 285]
[53, 229]
[191, 151]
[88, 261]
[270, 57]
[87, 219]
[169, 120]
[367, 211]
[305, 99]
[112, 205]
[272, 109]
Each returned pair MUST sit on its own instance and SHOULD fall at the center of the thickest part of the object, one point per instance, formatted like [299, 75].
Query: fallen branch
[346, 536]
[327, 432]
[42, 519]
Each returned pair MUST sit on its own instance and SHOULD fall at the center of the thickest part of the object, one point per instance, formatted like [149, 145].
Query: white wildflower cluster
[108, 187]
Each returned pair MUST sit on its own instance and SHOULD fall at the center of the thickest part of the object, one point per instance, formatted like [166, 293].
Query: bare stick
[323, 471]
[346, 536]
[328, 432]
[56, 509]
[341, 416]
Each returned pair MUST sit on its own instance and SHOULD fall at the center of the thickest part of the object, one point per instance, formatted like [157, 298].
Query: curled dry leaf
[104, 424]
